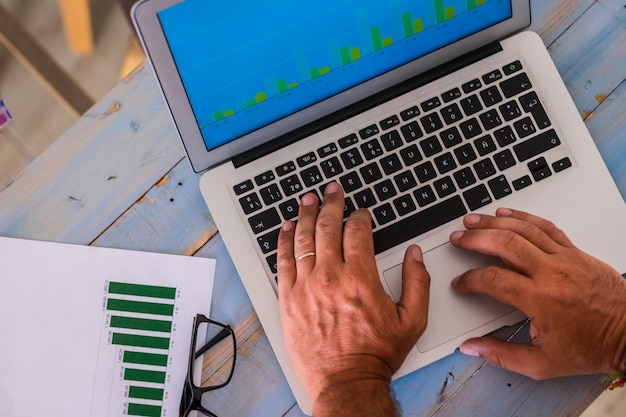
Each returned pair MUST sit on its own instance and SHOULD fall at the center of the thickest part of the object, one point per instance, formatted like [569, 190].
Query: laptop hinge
[366, 104]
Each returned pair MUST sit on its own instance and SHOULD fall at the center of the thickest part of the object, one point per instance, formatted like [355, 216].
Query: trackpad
[450, 314]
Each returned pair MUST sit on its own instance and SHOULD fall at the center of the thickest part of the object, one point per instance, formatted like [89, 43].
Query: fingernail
[455, 281]
[457, 235]
[331, 188]
[416, 253]
[469, 351]
[309, 200]
[287, 226]
[472, 218]
[504, 212]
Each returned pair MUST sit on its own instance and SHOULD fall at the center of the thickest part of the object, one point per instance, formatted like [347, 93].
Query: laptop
[422, 111]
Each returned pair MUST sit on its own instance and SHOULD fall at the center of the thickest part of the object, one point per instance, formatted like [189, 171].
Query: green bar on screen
[218, 115]
[146, 393]
[450, 13]
[141, 324]
[440, 12]
[143, 375]
[144, 410]
[377, 40]
[315, 73]
[355, 53]
[140, 307]
[229, 113]
[142, 290]
[282, 85]
[418, 25]
[471, 4]
[143, 358]
[388, 41]
[407, 23]
[324, 70]
[141, 341]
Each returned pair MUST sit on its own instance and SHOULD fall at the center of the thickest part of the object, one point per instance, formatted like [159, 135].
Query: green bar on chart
[377, 40]
[251, 103]
[260, 97]
[140, 307]
[141, 341]
[481, 2]
[345, 55]
[142, 358]
[450, 13]
[144, 410]
[314, 73]
[418, 25]
[282, 85]
[407, 23]
[143, 375]
[218, 115]
[141, 324]
[146, 393]
[324, 70]
[142, 290]
[440, 12]
[355, 54]
[471, 4]
[229, 113]
[293, 85]
[388, 41]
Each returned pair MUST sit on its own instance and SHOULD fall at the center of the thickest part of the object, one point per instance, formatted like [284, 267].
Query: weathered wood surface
[118, 178]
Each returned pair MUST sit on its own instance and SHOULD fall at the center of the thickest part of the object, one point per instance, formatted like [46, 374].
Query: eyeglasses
[220, 346]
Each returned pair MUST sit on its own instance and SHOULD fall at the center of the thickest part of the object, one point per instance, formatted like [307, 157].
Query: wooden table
[118, 178]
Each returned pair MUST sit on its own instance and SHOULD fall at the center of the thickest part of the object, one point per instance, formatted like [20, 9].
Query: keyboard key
[264, 178]
[327, 150]
[490, 119]
[244, 187]
[250, 203]
[471, 105]
[522, 183]
[471, 128]
[512, 68]
[445, 163]
[311, 176]
[451, 137]
[485, 169]
[562, 165]
[504, 160]
[289, 209]
[331, 167]
[371, 173]
[477, 197]
[272, 262]
[516, 85]
[291, 185]
[505, 136]
[464, 178]
[431, 122]
[384, 214]
[351, 158]
[492, 77]
[531, 104]
[391, 164]
[307, 159]
[444, 187]
[431, 104]
[372, 149]
[539, 169]
[491, 96]
[425, 172]
[408, 114]
[451, 114]
[385, 190]
[286, 168]
[471, 86]
[365, 198]
[348, 141]
[350, 182]
[451, 95]
[389, 122]
[431, 146]
[500, 187]
[269, 242]
[510, 111]
[539, 144]
[391, 140]
[369, 131]
[465, 154]
[485, 145]
[404, 205]
[271, 194]
[525, 127]
[418, 224]
[348, 207]
[410, 155]
[411, 132]
[405, 181]
[425, 196]
[264, 221]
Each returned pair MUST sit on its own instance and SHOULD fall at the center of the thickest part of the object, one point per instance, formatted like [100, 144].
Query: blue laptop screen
[245, 64]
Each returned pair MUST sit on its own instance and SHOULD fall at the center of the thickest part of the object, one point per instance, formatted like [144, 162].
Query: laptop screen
[247, 64]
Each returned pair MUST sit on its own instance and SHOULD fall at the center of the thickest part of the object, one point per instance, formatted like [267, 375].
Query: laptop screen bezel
[150, 32]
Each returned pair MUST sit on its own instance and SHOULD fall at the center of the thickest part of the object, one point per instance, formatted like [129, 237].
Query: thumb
[525, 359]
[413, 303]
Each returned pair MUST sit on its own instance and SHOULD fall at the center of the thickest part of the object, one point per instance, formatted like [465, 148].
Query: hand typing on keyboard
[346, 337]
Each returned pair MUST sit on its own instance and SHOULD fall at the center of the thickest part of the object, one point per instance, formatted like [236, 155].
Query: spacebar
[418, 224]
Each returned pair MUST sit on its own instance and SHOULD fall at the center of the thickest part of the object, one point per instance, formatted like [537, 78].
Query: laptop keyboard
[421, 168]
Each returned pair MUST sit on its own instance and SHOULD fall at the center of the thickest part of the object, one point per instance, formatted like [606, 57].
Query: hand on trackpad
[450, 314]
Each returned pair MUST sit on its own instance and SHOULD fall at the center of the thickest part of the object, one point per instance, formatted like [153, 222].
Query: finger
[304, 237]
[525, 229]
[546, 226]
[358, 243]
[286, 260]
[413, 303]
[510, 246]
[329, 226]
[500, 283]
[524, 359]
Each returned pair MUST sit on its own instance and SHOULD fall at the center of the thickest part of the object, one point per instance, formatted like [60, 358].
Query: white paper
[67, 349]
